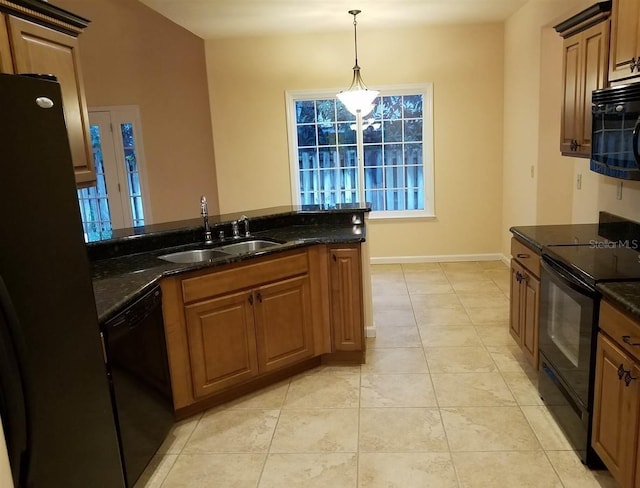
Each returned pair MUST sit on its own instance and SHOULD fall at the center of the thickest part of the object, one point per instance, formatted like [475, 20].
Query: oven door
[568, 322]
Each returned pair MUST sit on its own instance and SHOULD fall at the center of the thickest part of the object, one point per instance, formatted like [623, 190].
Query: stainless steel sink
[247, 246]
[194, 256]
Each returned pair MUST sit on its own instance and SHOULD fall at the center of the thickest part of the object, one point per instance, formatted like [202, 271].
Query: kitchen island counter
[120, 277]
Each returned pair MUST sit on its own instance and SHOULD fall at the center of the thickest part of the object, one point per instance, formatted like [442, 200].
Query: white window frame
[425, 89]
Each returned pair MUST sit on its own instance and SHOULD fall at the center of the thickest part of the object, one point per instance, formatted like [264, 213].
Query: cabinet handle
[522, 255]
[251, 299]
[633, 64]
[574, 145]
[334, 257]
[628, 340]
[628, 378]
[259, 297]
[621, 371]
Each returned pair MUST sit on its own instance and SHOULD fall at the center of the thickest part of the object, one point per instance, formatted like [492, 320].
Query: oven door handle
[576, 284]
[636, 131]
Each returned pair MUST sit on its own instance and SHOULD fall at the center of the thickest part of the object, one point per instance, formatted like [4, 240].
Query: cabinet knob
[334, 257]
[574, 145]
[621, 371]
[259, 295]
[631, 341]
[522, 255]
[628, 378]
[251, 299]
[633, 64]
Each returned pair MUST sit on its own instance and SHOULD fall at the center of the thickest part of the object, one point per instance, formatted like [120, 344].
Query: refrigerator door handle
[14, 395]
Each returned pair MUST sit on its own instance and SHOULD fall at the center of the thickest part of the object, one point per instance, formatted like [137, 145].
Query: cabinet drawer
[622, 329]
[264, 270]
[525, 256]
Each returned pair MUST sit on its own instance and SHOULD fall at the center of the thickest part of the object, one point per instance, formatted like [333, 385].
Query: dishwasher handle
[137, 311]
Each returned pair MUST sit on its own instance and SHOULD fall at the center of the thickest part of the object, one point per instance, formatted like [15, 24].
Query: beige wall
[247, 82]
[132, 55]
[538, 182]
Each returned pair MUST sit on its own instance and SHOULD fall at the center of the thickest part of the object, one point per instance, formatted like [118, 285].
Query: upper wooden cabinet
[43, 40]
[625, 41]
[585, 65]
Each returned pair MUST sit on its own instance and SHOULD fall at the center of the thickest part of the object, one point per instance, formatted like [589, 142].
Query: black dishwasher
[141, 387]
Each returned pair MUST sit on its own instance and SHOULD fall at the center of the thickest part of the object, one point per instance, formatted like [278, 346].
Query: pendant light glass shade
[358, 98]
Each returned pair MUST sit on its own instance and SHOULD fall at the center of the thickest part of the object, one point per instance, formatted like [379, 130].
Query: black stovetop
[599, 261]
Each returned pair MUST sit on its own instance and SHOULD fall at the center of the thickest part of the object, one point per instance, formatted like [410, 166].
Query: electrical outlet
[619, 190]
[579, 181]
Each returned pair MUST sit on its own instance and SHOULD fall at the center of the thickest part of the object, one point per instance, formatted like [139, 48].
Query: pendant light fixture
[358, 98]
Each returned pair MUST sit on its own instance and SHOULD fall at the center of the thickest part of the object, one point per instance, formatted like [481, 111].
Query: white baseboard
[439, 258]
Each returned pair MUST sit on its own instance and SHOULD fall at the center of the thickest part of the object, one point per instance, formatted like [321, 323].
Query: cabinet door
[585, 70]
[625, 38]
[283, 323]
[6, 59]
[346, 299]
[569, 130]
[38, 49]
[530, 302]
[515, 317]
[222, 342]
[595, 50]
[615, 413]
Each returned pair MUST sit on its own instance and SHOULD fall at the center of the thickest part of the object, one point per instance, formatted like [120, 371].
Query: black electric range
[568, 320]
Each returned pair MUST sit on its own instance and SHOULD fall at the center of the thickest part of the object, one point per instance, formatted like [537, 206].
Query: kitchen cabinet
[616, 413]
[525, 299]
[41, 39]
[624, 51]
[283, 323]
[235, 327]
[6, 62]
[346, 298]
[585, 66]
[222, 342]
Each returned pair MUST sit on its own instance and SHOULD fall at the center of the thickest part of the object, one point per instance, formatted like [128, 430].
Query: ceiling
[211, 19]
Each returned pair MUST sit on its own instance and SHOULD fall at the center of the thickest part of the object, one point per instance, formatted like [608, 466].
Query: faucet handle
[245, 219]
[203, 206]
[235, 229]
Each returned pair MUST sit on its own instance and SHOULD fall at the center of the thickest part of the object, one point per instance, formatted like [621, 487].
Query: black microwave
[616, 123]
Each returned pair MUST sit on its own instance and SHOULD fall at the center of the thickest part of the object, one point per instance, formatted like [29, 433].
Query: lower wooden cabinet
[236, 326]
[615, 416]
[525, 303]
[222, 342]
[346, 298]
[616, 411]
[284, 330]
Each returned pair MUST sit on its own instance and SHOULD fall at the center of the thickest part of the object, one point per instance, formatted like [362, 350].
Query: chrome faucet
[245, 219]
[204, 211]
[235, 227]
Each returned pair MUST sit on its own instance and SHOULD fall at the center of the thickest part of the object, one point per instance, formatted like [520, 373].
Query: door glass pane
[133, 175]
[94, 204]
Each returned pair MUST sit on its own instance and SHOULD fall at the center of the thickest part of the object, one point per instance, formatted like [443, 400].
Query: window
[392, 153]
[117, 200]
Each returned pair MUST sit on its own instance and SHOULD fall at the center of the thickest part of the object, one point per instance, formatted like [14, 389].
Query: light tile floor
[445, 399]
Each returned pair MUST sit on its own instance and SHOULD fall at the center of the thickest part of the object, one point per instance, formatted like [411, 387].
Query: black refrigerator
[55, 401]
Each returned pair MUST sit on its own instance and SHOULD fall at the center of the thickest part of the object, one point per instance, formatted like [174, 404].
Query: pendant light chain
[355, 33]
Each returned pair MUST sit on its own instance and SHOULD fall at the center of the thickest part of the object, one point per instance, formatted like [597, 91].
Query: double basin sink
[203, 255]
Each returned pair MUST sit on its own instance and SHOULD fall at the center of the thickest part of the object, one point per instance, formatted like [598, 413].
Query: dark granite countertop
[538, 236]
[118, 279]
[626, 294]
